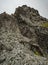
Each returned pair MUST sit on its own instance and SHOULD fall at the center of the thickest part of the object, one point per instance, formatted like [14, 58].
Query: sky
[9, 6]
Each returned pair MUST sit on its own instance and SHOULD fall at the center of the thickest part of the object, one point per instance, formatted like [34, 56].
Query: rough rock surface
[23, 38]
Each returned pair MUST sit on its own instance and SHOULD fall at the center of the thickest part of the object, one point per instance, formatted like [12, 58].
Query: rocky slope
[23, 38]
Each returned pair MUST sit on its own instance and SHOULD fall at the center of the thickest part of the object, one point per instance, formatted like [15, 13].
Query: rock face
[23, 38]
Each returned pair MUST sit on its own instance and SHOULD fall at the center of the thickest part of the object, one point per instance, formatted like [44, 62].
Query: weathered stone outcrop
[23, 38]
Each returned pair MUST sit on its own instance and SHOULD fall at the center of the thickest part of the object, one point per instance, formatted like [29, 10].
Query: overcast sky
[10, 5]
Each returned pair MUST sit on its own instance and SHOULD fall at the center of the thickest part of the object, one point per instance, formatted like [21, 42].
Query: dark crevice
[36, 50]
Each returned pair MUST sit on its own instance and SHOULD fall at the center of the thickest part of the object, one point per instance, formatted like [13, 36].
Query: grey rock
[2, 59]
[23, 40]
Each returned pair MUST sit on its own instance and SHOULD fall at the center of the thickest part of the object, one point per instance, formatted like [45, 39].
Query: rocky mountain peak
[23, 37]
[25, 10]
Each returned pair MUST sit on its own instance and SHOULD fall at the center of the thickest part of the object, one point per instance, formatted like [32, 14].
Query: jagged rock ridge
[23, 38]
